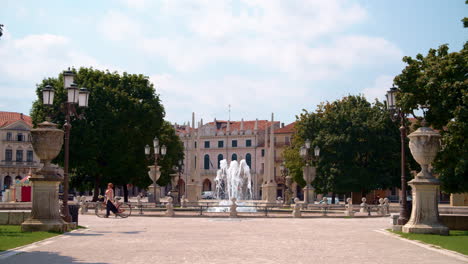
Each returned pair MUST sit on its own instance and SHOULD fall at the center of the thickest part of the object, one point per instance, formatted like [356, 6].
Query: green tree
[359, 145]
[107, 145]
[440, 81]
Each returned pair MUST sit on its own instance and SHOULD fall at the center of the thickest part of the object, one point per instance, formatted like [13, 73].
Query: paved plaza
[225, 240]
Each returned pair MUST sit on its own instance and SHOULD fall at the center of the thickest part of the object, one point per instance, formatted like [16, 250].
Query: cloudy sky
[259, 56]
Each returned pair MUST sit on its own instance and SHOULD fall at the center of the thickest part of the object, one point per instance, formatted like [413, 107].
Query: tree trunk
[96, 188]
[333, 198]
[125, 193]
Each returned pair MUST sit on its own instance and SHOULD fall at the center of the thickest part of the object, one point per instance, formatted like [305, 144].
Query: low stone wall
[13, 217]
[455, 221]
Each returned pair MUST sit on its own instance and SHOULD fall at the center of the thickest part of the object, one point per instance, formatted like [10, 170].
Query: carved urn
[47, 141]
[424, 145]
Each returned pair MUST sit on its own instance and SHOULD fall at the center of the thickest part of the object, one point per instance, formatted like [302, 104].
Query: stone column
[424, 145]
[154, 189]
[309, 176]
[47, 141]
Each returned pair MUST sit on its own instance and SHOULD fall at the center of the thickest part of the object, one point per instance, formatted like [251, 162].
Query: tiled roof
[233, 125]
[286, 129]
[7, 118]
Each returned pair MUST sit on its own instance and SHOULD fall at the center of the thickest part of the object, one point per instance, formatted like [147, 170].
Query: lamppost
[181, 170]
[74, 96]
[287, 183]
[397, 114]
[156, 173]
[308, 171]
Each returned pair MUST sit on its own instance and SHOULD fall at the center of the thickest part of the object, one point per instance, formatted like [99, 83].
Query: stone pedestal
[45, 214]
[154, 196]
[269, 192]
[193, 193]
[309, 194]
[424, 145]
[425, 214]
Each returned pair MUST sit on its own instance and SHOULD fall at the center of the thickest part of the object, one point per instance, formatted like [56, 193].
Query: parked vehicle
[207, 195]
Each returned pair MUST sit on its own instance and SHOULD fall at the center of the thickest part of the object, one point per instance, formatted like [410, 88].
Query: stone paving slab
[224, 240]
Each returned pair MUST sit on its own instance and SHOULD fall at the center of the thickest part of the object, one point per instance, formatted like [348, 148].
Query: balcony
[22, 164]
[16, 141]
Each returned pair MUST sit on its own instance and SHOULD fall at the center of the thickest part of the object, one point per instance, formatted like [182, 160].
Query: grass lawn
[456, 241]
[11, 236]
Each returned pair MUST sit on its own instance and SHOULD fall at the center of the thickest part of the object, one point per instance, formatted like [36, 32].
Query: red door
[26, 193]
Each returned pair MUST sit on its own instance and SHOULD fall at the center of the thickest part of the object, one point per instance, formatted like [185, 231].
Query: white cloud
[27, 60]
[117, 26]
[379, 88]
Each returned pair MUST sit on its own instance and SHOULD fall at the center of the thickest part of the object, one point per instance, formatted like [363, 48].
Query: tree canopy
[107, 145]
[359, 146]
[440, 81]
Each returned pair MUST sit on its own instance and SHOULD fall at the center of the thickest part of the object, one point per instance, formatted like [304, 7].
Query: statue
[296, 208]
[169, 207]
[233, 208]
[349, 207]
[363, 205]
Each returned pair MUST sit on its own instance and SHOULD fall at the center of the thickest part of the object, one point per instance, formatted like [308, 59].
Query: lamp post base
[308, 195]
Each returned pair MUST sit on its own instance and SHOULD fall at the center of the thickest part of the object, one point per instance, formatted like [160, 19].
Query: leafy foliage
[439, 79]
[359, 146]
[124, 115]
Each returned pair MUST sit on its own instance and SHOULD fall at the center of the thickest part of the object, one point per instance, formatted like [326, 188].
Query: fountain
[233, 181]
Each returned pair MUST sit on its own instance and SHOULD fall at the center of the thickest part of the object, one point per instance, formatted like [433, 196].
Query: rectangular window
[8, 136]
[195, 144]
[19, 155]
[263, 152]
[286, 140]
[20, 137]
[207, 144]
[8, 155]
[234, 143]
[220, 144]
[248, 143]
[29, 158]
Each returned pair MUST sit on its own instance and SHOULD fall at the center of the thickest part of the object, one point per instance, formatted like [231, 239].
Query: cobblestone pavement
[224, 240]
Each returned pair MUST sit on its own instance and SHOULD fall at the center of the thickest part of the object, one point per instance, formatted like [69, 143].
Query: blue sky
[259, 56]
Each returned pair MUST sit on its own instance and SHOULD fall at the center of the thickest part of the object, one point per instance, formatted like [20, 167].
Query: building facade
[17, 157]
[207, 144]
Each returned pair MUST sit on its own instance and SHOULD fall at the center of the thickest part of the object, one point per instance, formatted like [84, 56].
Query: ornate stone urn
[47, 141]
[424, 145]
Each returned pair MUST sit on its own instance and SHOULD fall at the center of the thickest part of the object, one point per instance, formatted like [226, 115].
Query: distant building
[208, 144]
[16, 153]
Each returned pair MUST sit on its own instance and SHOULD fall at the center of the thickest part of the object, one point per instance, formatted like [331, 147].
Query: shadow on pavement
[39, 257]
[81, 234]
[131, 232]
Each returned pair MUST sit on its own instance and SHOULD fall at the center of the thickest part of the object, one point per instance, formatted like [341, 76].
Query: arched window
[206, 185]
[220, 158]
[7, 182]
[248, 159]
[234, 157]
[206, 162]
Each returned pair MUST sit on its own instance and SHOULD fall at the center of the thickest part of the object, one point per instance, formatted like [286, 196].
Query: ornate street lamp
[309, 171]
[397, 114]
[74, 96]
[155, 174]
